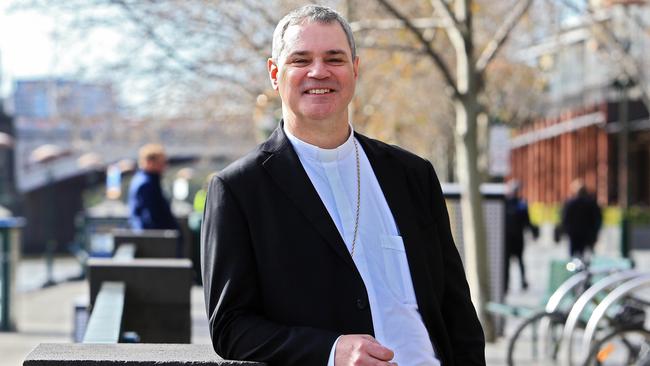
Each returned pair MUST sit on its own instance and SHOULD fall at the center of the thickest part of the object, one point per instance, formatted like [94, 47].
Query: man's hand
[361, 350]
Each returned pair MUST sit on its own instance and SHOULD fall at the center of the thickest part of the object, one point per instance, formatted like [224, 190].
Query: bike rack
[564, 289]
[581, 303]
[600, 311]
[572, 282]
[556, 299]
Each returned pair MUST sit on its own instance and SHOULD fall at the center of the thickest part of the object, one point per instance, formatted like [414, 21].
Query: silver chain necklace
[356, 220]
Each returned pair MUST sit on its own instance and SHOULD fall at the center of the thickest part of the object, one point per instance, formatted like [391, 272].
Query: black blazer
[280, 285]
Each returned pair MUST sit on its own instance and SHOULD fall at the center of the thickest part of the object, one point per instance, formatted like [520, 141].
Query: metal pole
[4, 278]
[50, 244]
[623, 169]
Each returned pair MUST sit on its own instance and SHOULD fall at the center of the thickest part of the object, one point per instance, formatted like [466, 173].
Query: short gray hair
[309, 14]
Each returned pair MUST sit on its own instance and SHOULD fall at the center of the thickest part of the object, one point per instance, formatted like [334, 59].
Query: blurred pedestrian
[148, 207]
[581, 220]
[517, 221]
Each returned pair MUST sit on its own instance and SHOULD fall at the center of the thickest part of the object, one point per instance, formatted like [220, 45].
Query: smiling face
[315, 76]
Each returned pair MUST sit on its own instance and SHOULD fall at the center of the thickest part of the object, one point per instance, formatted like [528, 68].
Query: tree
[457, 20]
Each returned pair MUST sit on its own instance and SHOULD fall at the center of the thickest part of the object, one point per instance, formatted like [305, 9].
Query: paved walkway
[46, 315]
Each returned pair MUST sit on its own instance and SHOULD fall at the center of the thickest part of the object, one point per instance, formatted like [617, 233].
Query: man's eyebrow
[299, 53]
[307, 53]
[335, 52]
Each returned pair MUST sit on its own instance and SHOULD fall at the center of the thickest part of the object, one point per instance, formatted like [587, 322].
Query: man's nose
[318, 70]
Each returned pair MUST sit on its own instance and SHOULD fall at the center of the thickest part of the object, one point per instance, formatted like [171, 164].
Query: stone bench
[148, 243]
[156, 298]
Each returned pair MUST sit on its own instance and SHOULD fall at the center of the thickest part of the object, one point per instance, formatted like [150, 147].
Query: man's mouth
[319, 91]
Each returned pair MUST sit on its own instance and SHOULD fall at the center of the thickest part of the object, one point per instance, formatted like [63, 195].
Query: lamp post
[622, 85]
[8, 249]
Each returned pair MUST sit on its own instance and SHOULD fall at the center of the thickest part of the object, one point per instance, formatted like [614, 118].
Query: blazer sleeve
[464, 329]
[238, 326]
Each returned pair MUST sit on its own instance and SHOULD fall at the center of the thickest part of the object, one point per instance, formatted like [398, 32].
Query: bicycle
[623, 346]
[545, 345]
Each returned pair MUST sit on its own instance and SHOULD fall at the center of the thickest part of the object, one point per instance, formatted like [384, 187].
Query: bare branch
[171, 53]
[442, 8]
[391, 24]
[437, 60]
[459, 33]
[390, 47]
[502, 34]
[262, 50]
[261, 9]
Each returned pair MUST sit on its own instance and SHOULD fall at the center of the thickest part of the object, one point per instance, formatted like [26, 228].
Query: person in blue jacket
[148, 207]
[517, 221]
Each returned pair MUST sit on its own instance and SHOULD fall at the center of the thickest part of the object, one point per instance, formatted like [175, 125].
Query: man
[325, 247]
[581, 220]
[148, 208]
[517, 221]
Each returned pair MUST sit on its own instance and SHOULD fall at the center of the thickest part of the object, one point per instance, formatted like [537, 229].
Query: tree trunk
[474, 237]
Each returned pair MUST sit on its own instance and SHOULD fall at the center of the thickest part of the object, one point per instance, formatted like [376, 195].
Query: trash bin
[494, 195]
[10, 229]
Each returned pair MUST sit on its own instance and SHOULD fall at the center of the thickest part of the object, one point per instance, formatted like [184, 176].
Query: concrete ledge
[157, 299]
[75, 354]
[147, 280]
[149, 243]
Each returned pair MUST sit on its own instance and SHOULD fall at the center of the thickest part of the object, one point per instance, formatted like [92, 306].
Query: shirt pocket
[396, 268]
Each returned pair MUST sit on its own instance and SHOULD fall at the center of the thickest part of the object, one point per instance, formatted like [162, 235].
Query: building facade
[594, 112]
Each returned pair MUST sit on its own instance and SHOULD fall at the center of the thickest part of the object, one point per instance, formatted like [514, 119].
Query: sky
[29, 47]
[26, 46]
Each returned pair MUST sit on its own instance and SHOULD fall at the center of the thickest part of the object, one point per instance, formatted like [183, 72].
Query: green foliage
[638, 215]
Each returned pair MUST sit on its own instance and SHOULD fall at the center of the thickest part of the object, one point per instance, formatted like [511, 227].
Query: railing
[105, 323]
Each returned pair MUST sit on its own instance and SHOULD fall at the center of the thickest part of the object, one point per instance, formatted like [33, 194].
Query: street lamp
[622, 84]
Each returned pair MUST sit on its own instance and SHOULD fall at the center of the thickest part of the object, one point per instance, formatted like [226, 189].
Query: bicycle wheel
[626, 346]
[528, 347]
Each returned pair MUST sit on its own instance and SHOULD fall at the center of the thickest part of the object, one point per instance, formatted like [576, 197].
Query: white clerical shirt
[379, 250]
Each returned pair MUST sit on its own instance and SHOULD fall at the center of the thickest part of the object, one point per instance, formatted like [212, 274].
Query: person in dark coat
[517, 221]
[148, 207]
[581, 220]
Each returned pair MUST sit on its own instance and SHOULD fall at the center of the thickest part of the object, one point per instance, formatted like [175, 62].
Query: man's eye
[335, 60]
[300, 61]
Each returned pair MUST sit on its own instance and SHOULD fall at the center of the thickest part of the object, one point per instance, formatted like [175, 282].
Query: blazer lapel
[284, 167]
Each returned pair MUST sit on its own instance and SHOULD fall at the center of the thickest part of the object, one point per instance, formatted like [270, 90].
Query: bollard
[49, 263]
[9, 242]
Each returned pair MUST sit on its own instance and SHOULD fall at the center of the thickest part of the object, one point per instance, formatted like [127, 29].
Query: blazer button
[362, 304]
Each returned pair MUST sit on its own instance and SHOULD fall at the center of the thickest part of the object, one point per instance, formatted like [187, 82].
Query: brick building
[580, 131]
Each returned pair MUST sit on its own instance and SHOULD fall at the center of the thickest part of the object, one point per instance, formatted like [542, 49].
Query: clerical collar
[312, 152]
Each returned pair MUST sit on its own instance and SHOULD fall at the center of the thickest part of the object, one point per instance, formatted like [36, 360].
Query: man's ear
[273, 73]
[355, 66]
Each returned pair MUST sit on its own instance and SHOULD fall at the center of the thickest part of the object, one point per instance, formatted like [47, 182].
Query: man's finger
[379, 352]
